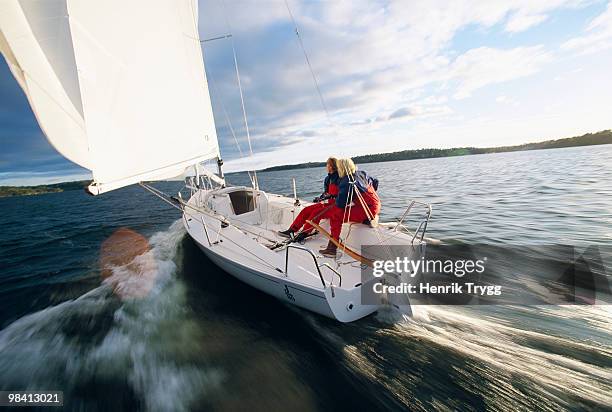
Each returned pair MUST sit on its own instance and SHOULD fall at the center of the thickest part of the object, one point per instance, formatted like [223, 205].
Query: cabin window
[242, 201]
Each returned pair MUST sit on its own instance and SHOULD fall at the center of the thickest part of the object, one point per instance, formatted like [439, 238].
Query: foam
[100, 338]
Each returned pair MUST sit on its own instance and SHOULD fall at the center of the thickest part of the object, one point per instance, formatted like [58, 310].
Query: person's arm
[374, 182]
[325, 195]
[343, 192]
[326, 185]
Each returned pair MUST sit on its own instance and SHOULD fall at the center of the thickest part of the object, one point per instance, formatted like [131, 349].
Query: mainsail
[117, 86]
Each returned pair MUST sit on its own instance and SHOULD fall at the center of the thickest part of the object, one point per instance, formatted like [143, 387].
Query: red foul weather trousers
[357, 212]
[313, 213]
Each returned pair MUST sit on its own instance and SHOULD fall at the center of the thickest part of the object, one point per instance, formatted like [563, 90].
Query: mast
[220, 167]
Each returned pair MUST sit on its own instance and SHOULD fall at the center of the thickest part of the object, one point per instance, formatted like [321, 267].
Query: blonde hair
[346, 167]
[334, 163]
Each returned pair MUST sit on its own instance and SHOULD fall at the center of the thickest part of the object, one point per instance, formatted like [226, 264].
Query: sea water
[152, 324]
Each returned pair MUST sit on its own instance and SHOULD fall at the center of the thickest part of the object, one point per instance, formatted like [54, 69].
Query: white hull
[283, 289]
[241, 249]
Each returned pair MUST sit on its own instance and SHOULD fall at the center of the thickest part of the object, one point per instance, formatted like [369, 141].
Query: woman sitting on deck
[322, 208]
[361, 205]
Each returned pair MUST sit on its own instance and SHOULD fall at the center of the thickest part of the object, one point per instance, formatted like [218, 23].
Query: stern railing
[422, 225]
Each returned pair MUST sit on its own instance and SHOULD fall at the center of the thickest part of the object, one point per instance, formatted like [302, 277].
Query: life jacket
[331, 188]
[373, 182]
[371, 199]
[367, 188]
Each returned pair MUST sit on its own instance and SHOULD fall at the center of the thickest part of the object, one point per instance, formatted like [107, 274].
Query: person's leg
[335, 221]
[318, 214]
[357, 214]
[375, 209]
[370, 203]
[315, 211]
[300, 220]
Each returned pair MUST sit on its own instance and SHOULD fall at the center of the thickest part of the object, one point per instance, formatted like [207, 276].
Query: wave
[139, 351]
[448, 357]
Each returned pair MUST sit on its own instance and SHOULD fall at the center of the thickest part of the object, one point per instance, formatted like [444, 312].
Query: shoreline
[589, 139]
[603, 137]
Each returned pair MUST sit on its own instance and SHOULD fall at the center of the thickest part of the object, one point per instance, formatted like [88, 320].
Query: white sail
[36, 42]
[130, 77]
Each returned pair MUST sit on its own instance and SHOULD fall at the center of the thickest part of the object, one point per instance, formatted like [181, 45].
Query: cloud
[598, 37]
[375, 61]
[383, 68]
[521, 22]
[32, 178]
[525, 14]
[307, 133]
[483, 66]
[503, 99]
[403, 112]
[371, 58]
[418, 112]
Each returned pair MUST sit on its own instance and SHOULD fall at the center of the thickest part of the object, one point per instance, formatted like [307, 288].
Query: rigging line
[199, 210]
[225, 36]
[345, 215]
[161, 195]
[164, 197]
[354, 190]
[350, 206]
[368, 212]
[314, 77]
[265, 262]
[246, 122]
[227, 120]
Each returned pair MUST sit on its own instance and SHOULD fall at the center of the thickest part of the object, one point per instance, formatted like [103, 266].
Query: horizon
[394, 76]
[298, 165]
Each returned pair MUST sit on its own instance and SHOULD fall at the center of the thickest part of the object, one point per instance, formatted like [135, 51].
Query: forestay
[117, 86]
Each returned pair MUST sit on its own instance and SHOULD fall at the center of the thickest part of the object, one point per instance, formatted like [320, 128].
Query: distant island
[589, 139]
[7, 191]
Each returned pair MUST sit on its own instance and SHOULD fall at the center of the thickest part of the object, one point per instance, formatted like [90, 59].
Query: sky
[394, 75]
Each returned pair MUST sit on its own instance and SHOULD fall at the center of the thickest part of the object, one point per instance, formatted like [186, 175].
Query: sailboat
[119, 88]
